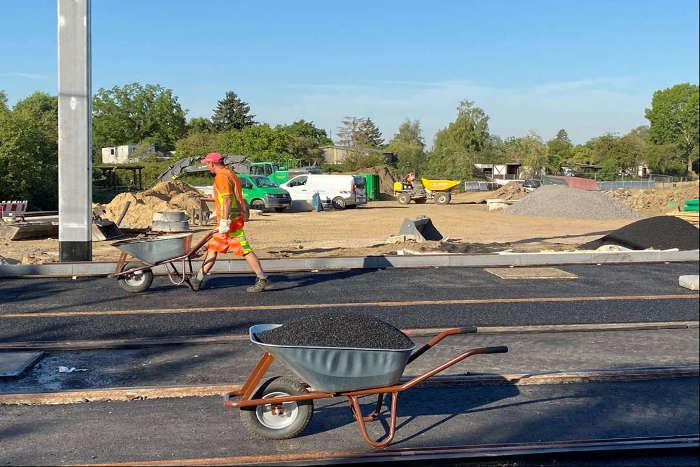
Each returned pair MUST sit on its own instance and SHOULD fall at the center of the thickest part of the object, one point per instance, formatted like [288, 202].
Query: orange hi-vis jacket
[227, 183]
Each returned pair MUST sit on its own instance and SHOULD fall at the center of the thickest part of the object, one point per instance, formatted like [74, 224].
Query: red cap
[214, 157]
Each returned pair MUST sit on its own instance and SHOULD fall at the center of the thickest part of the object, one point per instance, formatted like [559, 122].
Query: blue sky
[538, 65]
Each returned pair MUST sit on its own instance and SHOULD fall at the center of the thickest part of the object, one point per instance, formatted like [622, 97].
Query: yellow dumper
[424, 190]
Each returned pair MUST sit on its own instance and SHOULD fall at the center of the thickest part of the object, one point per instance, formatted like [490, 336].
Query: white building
[118, 154]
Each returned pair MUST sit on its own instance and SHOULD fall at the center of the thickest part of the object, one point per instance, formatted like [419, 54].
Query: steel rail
[661, 445]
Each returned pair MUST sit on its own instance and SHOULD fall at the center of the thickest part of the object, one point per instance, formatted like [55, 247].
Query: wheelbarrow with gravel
[175, 252]
[281, 407]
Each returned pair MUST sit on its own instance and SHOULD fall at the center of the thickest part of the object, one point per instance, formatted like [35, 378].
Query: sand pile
[172, 195]
[511, 190]
[561, 201]
[656, 201]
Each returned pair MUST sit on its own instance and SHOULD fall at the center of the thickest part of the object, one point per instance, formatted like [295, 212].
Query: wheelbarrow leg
[361, 421]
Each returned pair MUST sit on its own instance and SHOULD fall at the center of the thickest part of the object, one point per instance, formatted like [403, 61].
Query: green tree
[369, 135]
[259, 142]
[42, 109]
[363, 141]
[136, 113]
[359, 133]
[28, 160]
[408, 146]
[199, 125]
[458, 147]
[197, 144]
[673, 118]
[530, 151]
[305, 140]
[3, 102]
[560, 145]
[232, 113]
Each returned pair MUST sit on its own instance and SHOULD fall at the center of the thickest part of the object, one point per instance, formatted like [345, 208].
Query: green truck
[278, 173]
[261, 193]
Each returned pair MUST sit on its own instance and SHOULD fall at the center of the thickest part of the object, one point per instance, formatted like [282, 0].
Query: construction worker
[231, 212]
[408, 180]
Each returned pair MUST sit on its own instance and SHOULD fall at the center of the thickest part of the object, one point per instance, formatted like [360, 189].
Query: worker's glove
[224, 226]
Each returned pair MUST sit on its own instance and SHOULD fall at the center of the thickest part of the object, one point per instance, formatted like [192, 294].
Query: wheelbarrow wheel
[278, 421]
[138, 281]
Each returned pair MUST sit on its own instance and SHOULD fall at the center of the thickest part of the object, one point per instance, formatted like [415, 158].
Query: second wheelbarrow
[165, 250]
[281, 407]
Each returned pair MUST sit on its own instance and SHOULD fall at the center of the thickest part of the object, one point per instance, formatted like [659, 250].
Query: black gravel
[337, 330]
[660, 232]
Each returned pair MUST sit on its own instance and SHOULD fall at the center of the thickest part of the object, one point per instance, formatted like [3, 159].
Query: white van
[341, 191]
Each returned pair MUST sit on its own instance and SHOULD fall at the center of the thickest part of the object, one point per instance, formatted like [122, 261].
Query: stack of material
[509, 191]
[173, 195]
[560, 201]
[352, 330]
[660, 232]
[656, 201]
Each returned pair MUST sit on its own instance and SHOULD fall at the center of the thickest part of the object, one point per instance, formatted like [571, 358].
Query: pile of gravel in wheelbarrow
[337, 330]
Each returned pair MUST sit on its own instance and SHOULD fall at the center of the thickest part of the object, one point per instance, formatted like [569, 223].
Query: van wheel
[257, 204]
[338, 203]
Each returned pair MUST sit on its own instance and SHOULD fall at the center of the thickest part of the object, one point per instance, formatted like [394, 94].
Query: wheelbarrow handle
[497, 349]
[447, 332]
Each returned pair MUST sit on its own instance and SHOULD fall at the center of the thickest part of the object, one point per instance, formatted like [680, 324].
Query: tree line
[151, 117]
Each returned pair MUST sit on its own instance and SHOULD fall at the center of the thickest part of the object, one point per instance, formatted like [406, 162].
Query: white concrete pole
[74, 131]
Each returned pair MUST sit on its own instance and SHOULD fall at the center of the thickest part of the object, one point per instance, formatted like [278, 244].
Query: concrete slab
[530, 273]
[13, 364]
[689, 282]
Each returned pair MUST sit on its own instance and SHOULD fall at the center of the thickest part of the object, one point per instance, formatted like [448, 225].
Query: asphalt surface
[339, 290]
[448, 416]
[231, 363]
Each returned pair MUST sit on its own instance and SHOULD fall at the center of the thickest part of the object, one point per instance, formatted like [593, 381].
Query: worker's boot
[260, 285]
[197, 281]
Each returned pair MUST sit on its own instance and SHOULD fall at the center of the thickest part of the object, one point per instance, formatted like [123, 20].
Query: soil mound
[173, 195]
[511, 190]
[656, 201]
[561, 201]
[338, 330]
[660, 232]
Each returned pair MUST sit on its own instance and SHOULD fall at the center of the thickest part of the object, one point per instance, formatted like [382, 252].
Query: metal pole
[74, 131]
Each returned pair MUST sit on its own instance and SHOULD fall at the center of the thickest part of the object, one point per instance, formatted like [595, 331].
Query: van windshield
[263, 182]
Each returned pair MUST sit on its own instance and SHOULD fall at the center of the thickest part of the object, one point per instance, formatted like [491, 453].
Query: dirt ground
[468, 228]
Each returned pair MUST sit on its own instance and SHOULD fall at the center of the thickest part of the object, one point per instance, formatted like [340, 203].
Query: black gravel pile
[337, 330]
[660, 232]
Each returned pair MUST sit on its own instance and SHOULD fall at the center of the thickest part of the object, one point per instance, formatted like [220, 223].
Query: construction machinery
[438, 190]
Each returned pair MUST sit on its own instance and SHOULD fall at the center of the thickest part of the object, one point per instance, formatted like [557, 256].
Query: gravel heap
[660, 232]
[337, 330]
[561, 201]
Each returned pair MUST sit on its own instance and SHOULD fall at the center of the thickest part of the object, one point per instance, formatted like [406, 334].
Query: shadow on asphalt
[416, 402]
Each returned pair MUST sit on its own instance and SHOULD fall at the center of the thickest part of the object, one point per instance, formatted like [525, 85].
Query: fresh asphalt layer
[231, 363]
[32, 309]
[177, 429]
